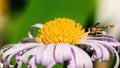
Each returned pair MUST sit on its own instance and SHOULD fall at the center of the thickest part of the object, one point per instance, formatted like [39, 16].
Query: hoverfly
[96, 29]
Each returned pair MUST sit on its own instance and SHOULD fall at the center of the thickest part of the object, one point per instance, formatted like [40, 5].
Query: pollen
[60, 30]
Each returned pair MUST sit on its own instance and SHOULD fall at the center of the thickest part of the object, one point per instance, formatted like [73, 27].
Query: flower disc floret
[60, 30]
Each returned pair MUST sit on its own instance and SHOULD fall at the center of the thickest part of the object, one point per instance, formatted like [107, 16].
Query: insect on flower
[59, 41]
[96, 29]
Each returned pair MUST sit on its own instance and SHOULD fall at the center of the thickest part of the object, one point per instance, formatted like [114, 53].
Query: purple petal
[38, 57]
[58, 54]
[32, 62]
[17, 57]
[104, 35]
[6, 47]
[48, 56]
[71, 62]
[117, 59]
[62, 52]
[115, 44]
[104, 51]
[98, 53]
[27, 40]
[26, 55]
[66, 50]
[51, 64]
[19, 65]
[82, 59]
[103, 39]
[79, 60]
[112, 49]
[19, 47]
[30, 33]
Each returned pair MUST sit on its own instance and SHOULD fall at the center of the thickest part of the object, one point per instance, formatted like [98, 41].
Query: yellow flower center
[60, 30]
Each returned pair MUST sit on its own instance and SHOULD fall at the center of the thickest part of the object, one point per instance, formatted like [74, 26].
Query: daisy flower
[61, 41]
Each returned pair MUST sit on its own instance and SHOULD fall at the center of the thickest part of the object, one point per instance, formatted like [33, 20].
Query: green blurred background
[24, 13]
[18, 15]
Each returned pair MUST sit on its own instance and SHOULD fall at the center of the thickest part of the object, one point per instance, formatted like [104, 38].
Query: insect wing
[96, 24]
